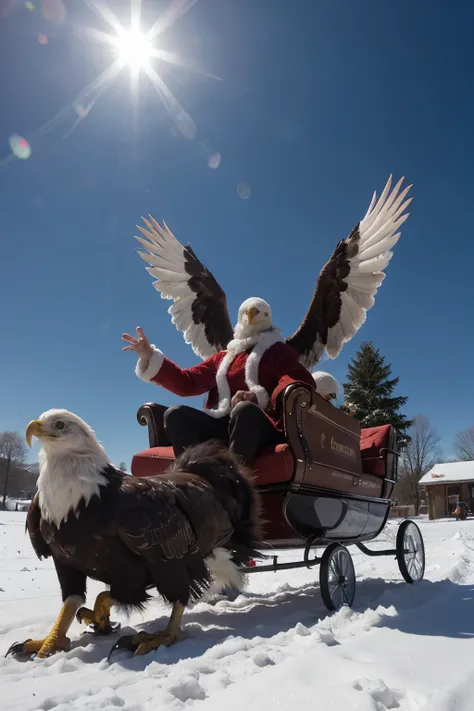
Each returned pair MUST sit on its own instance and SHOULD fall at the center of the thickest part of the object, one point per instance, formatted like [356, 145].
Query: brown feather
[154, 532]
[210, 304]
[33, 526]
[325, 307]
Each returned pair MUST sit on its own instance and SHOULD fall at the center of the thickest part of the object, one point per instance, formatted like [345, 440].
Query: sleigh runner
[329, 485]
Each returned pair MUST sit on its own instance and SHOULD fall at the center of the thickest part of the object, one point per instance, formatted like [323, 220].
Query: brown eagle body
[175, 532]
[154, 532]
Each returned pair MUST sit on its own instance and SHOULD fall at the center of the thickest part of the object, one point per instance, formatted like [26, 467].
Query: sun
[134, 49]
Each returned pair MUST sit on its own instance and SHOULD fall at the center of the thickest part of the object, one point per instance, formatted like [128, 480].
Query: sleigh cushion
[372, 440]
[152, 461]
[274, 465]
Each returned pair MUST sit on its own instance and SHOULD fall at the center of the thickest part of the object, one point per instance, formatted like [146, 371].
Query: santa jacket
[263, 367]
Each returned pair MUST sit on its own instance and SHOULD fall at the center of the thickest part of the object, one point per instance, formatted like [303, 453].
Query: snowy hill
[401, 647]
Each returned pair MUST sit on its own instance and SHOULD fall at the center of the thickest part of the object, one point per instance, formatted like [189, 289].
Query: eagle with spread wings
[344, 292]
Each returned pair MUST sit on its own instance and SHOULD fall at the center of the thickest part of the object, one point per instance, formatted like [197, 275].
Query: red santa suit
[261, 364]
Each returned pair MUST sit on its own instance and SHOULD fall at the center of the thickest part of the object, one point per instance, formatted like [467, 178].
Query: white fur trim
[261, 342]
[223, 570]
[147, 370]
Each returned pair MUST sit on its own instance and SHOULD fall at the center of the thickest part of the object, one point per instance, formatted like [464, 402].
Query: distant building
[446, 484]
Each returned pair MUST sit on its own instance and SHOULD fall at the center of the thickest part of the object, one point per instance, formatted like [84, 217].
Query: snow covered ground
[401, 647]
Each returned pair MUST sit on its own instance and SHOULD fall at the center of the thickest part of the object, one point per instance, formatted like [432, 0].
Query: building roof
[451, 472]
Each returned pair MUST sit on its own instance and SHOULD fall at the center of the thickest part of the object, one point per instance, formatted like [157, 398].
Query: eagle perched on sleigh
[199, 519]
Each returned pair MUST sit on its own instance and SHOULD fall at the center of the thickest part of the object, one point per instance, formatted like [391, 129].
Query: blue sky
[319, 102]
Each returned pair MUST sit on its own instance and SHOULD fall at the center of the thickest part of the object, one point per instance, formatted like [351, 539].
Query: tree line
[369, 389]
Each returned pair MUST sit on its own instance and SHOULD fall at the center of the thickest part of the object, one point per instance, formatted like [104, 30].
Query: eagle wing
[347, 284]
[33, 526]
[151, 523]
[200, 306]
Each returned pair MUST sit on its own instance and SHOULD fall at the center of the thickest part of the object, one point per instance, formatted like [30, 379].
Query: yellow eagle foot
[56, 641]
[99, 618]
[142, 643]
[145, 643]
[40, 647]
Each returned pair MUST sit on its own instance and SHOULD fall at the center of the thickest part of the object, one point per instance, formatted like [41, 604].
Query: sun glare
[134, 49]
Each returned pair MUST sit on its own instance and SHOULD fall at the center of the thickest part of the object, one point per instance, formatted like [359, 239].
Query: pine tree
[370, 389]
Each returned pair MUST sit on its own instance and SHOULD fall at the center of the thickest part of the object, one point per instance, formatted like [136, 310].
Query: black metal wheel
[337, 577]
[410, 552]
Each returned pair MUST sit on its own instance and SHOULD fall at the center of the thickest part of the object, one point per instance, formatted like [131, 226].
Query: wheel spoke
[337, 577]
[411, 557]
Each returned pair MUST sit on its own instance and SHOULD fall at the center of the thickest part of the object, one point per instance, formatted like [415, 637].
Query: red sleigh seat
[374, 441]
[274, 465]
[325, 449]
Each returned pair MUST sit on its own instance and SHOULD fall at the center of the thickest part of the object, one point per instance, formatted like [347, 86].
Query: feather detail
[348, 283]
[199, 310]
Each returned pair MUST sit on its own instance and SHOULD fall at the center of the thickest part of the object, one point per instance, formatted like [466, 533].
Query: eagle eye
[59, 425]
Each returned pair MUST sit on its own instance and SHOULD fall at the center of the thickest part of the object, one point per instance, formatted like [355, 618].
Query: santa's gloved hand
[241, 396]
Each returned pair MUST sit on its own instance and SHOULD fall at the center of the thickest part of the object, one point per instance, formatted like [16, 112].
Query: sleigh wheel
[410, 552]
[337, 577]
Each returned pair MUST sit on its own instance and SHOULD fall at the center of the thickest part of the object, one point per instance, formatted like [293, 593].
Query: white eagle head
[61, 431]
[71, 461]
[326, 385]
[255, 316]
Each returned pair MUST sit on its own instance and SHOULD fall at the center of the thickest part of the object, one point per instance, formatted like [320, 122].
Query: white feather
[378, 234]
[363, 301]
[373, 250]
[167, 274]
[223, 570]
[355, 314]
[335, 340]
[375, 264]
[70, 466]
[368, 286]
[167, 260]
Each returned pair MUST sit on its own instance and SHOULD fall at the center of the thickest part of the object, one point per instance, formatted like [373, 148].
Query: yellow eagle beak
[251, 314]
[34, 429]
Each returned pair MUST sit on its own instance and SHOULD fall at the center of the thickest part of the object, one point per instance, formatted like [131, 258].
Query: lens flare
[215, 160]
[243, 191]
[19, 146]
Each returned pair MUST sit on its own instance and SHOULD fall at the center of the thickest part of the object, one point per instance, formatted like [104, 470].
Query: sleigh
[329, 485]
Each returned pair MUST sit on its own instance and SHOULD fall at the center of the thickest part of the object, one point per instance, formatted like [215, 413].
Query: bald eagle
[175, 532]
[344, 292]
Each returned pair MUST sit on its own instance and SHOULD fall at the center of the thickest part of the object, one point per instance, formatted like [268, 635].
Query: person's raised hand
[140, 344]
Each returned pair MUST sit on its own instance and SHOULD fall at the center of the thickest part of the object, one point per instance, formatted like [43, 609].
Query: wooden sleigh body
[329, 481]
[329, 485]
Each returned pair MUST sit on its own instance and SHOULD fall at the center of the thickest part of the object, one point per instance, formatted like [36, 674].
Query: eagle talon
[98, 619]
[127, 641]
[18, 648]
[98, 631]
[40, 648]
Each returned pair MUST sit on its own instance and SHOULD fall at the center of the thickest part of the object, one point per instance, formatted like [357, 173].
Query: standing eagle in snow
[174, 532]
[344, 292]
